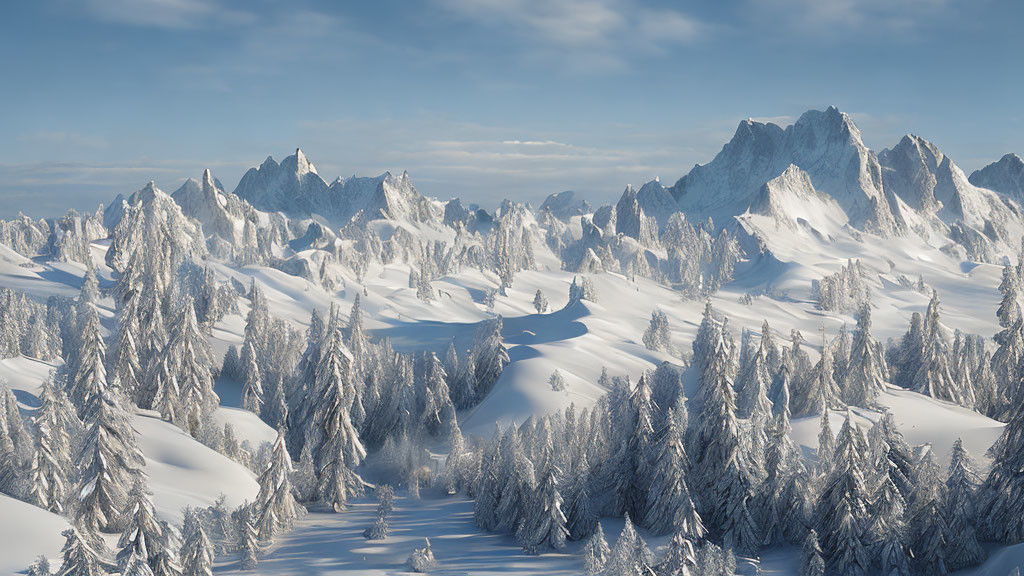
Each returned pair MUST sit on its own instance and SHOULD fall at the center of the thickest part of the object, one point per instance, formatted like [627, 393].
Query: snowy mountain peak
[208, 182]
[1005, 176]
[302, 164]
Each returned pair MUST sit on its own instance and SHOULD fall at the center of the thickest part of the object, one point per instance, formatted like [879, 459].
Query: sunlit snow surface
[577, 340]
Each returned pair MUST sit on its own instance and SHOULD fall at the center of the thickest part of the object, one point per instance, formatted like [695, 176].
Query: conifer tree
[842, 506]
[252, 383]
[545, 528]
[336, 447]
[669, 504]
[108, 464]
[934, 377]
[867, 370]
[960, 510]
[191, 367]
[820, 388]
[657, 336]
[581, 515]
[540, 303]
[248, 546]
[596, 552]
[811, 561]
[385, 505]
[54, 422]
[79, 557]
[491, 357]
[275, 506]
[929, 541]
[1006, 361]
[142, 536]
[125, 369]
[90, 374]
[197, 551]
[630, 555]
[1001, 511]
[557, 381]
[722, 474]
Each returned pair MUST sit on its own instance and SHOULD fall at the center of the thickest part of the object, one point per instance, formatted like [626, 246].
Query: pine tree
[556, 381]
[491, 357]
[125, 369]
[929, 540]
[1007, 359]
[192, 363]
[547, 526]
[960, 510]
[867, 369]
[336, 446]
[811, 561]
[596, 552]
[248, 546]
[252, 383]
[581, 515]
[820, 387]
[909, 353]
[108, 464]
[885, 532]
[275, 506]
[79, 558]
[197, 551]
[54, 422]
[385, 505]
[90, 374]
[842, 506]
[40, 567]
[630, 555]
[681, 557]
[826, 443]
[142, 536]
[1001, 511]
[669, 505]
[722, 474]
[540, 303]
[657, 336]
[934, 377]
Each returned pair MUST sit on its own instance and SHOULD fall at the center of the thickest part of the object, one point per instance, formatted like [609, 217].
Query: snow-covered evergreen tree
[669, 504]
[252, 383]
[491, 357]
[54, 422]
[275, 506]
[79, 557]
[959, 508]
[819, 388]
[385, 505]
[336, 447]
[929, 536]
[596, 553]
[1001, 511]
[867, 370]
[191, 363]
[545, 524]
[248, 546]
[657, 337]
[811, 561]
[109, 463]
[197, 551]
[842, 506]
[90, 373]
[556, 381]
[630, 555]
[934, 377]
[540, 302]
[142, 536]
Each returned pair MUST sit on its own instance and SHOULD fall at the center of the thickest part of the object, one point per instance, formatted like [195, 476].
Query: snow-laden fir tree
[934, 377]
[721, 469]
[336, 448]
[557, 381]
[54, 422]
[275, 506]
[580, 511]
[125, 370]
[252, 383]
[630, 555]
[136, 565]
[191, 361]
[80, 559]
[544, 526]
[811, 561]
[197, 551]
[108, 465]
[929, 541]
[657, 337]
[669, 503]
[819, 388]
[630, 466]
[780, 510]
[842, 506]
[491, 357]
[248, 546]
[153, 340]
[893, 456]
[488, 483]
[518, 483]
[596, 553]
[142, 536]
[385, 505]
[1007, 359]
[1001, 510]
[302, 400]
[961, 485]
[40, 567]
[885, 531]
[867, 370]
[422, 560]
[908, 355]
[681, 557]
[540, 302]
[90, 374]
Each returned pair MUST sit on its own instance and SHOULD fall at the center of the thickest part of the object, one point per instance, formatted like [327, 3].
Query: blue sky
[482, 99]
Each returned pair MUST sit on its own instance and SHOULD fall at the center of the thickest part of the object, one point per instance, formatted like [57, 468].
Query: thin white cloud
[597, 34]
[170, 14]
[831, 17]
